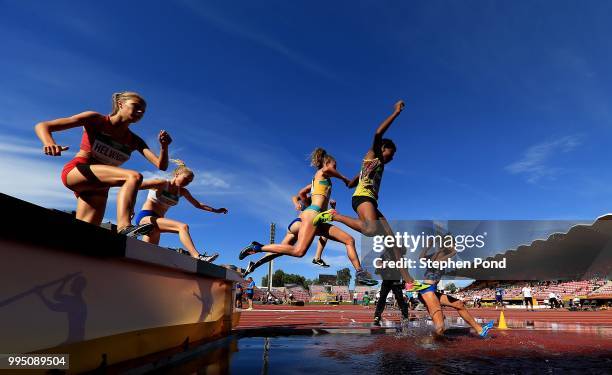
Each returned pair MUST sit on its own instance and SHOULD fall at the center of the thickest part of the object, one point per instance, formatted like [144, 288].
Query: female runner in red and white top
[107, 143]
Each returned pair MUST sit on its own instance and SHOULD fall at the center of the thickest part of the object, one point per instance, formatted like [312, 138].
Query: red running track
[325, 316]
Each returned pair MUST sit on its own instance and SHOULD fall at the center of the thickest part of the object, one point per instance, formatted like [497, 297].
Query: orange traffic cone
[502, 322]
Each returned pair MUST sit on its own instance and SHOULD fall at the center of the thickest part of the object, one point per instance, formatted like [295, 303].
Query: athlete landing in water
[434, 300]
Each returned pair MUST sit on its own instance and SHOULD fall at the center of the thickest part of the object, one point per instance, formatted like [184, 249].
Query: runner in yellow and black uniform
[371, 221]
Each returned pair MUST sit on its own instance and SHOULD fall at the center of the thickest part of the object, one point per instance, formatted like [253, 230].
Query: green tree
[451, 287]
[278, 279]
[344, 277]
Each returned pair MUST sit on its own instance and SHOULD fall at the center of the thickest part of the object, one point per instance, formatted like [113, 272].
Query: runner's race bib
[110, 152]
[168, 198]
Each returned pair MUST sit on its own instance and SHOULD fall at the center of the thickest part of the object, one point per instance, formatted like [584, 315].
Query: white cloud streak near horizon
[534, 163]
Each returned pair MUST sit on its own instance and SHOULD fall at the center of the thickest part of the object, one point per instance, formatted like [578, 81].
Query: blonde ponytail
[181, 168]
[121, 97]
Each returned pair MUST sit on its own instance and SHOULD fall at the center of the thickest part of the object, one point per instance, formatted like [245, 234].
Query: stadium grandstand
[583, 289]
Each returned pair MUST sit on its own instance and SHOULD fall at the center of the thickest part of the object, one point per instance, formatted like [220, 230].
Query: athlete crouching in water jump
[434, 300]
[365, 199]
[301, 201]
[320, 193]
[107, 143]
[164, 194]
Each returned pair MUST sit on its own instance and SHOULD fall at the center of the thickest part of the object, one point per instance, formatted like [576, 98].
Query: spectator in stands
[527, 297]
[239, 292]
[250, 292]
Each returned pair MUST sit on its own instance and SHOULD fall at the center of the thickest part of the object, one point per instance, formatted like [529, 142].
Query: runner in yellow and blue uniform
[320, 195]
[301, 201]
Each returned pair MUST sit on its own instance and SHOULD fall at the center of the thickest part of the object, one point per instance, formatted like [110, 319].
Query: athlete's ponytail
[121, 97]
[319, 157]
[181, 168]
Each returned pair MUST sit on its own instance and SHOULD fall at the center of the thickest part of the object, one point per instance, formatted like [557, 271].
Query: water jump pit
[333, 345]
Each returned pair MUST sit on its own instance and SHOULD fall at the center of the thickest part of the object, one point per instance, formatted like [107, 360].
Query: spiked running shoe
[324, 217]
[250, 268]
[320, 262]
[136, 230]
[363, 277]
[418, 286]
[376, 321]
[208, 257]
[253, 248]
[485, 329]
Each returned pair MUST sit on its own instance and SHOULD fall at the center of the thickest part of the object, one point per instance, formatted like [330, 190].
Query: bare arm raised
[160, 161]
[375, 150]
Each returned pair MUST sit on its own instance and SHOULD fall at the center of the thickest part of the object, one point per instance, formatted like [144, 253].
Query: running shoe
[253, 248]
[249, 269]
[136, 230]
[320, 262]
[376, 321]
[208, 258]
[324, 217]
[363, 277]
[417, 286]
[486, 328]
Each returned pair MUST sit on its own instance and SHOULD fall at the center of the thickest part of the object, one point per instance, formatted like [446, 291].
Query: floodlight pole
[270, 264]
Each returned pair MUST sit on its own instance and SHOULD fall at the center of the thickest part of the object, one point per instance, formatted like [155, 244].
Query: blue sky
[507, 104]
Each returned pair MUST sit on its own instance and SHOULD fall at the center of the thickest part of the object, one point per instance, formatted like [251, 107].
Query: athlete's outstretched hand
[399, 106]
[164, 138]
[54, 150]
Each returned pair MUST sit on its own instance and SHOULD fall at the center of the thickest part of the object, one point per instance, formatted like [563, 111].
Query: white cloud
[36, 181]
[534, 163]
